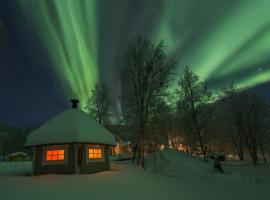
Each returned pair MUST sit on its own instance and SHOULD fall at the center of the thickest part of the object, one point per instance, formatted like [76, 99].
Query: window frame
[94, 160]
[54, 162]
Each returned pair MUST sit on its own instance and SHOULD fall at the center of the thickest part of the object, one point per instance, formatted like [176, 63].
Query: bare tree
[195, 108]
[162, 123]
[99, 104]
[146, 74]
[12, 139]
[247, 117]
[256, 124]
[218, 138]
[233, 119]
[185, 130]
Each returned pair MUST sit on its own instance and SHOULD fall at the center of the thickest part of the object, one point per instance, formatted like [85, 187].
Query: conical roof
[70, 126]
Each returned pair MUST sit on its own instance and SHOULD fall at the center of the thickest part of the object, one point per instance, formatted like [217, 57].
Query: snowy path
[126, 181]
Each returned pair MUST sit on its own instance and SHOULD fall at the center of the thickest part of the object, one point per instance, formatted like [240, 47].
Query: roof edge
[50, 144]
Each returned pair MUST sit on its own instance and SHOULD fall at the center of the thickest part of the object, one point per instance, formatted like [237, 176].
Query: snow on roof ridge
[17, 153]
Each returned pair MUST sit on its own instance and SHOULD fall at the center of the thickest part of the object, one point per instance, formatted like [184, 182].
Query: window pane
[54, 157]
[94, 153]
[55, 154]
[49, 153]
[61, 157]
[61, 152]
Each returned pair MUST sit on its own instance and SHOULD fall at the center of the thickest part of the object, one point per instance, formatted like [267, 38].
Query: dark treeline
[12, 139]
[189, 118]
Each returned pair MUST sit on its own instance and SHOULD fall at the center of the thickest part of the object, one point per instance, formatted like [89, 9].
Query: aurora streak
[224, 42]
[69, 33]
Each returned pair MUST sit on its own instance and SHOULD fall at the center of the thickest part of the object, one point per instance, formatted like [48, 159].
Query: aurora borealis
[80, 42]
[68, 31]
[230, 36]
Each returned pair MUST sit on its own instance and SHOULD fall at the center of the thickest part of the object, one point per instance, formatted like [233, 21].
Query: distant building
[123, 144]
[122, 147]
[17, 156]
[70, 143]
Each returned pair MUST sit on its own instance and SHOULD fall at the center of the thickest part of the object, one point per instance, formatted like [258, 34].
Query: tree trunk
[139, 155]
[251, 144]
[262, 152]
[142, 142]
[199, 134]
[202, 146]
[241, 149]
[134, 152]
[142, 157]
[262, 149]
[237, 145]
[142, 149]
[241, 155]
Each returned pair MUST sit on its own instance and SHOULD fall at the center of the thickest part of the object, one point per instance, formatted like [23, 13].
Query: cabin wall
[67, 168]
[93, 167]
[17, 158]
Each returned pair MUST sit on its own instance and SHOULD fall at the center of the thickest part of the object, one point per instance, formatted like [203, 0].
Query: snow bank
[177, 164]
[181, 166]
[22, 168]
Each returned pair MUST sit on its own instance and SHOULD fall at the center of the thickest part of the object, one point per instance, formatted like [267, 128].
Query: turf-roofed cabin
[70, 143]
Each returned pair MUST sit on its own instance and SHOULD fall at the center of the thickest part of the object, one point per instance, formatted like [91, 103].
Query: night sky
[53, 50]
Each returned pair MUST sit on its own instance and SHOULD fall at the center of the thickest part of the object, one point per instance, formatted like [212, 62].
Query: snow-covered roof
[17, 154]
[70, 126]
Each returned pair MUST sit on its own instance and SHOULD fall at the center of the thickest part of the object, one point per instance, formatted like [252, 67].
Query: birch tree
[99, 104]
[195, 108]
[146, 74]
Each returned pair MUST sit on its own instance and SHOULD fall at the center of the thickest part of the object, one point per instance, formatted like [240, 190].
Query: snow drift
[177, 164]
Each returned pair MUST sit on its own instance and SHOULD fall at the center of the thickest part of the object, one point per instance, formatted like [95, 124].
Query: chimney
[74, 103]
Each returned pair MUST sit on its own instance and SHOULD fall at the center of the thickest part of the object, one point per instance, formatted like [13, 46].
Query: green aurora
[69, 33]
[224, 42]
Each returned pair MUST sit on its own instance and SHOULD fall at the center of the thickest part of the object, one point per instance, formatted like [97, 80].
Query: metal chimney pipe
[74, 103]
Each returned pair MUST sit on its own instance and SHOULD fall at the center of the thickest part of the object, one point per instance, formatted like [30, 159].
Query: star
[260, 69]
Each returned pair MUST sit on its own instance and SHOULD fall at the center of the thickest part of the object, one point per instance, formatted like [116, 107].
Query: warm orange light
[55, 154]
[61, 152]
[94, 153]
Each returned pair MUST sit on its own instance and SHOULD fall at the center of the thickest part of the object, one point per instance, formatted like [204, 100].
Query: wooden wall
[69, 168]
[93, 167]
[57, 168]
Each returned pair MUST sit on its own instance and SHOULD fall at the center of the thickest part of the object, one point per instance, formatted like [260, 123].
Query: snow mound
[177, 164]
[22, 168]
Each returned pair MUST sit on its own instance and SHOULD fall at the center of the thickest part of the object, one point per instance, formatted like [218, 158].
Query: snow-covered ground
[177, 177]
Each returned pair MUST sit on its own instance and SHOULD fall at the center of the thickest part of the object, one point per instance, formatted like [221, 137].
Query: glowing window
[55, 154]
[94, 153]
